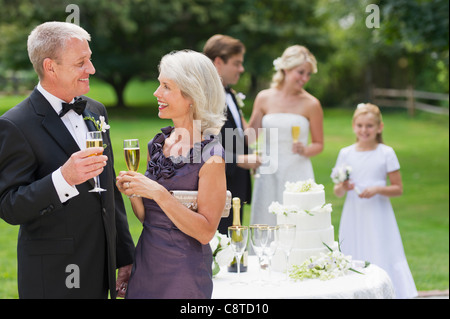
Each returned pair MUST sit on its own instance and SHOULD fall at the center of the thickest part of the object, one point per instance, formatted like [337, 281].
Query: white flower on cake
[300, 187]
[277, 208]
[303, 186]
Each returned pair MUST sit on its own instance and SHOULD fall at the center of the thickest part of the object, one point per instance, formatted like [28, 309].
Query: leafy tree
[420, 30]
[268, 27]
[130, 36]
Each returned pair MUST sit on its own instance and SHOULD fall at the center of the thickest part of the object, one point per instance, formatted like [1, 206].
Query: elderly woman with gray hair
[173, 258]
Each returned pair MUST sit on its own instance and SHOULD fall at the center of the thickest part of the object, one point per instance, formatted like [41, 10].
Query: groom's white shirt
[78, 129]
[235, 113]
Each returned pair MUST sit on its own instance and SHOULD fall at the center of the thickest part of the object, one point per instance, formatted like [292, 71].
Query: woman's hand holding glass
[297, 146]
[132, 183]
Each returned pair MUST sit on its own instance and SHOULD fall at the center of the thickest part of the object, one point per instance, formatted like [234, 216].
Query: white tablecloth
[374, 284]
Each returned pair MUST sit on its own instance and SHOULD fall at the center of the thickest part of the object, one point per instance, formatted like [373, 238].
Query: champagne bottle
[237, 222]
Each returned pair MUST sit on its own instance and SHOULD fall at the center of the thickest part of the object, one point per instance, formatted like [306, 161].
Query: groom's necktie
[78, 106]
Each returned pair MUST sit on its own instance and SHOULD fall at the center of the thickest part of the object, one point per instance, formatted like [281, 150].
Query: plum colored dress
[168, 263]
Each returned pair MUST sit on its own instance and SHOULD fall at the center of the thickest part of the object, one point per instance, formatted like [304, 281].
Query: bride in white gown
[276, 110]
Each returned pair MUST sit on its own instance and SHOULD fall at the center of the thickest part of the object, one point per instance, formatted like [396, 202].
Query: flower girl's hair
[293, 56]
[369, 108]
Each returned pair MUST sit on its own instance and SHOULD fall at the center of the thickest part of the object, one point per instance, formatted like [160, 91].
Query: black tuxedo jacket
[238, 179]
[82, 241]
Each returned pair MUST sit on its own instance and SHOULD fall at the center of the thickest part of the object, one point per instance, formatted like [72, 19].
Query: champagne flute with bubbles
[295, 130]
[94, 139]
[132, 155]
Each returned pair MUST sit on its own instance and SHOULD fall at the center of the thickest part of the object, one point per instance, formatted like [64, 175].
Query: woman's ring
[128, 184]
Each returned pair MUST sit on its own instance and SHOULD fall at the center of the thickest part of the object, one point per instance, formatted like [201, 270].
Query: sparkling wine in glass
[94, 139]
[238, 241]
[258, 238]
[286, 238]
[295, 130]
[258, 148]
[132, 154]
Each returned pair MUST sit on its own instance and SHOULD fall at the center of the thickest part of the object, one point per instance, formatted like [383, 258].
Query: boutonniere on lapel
[99, 124]
[239, 98]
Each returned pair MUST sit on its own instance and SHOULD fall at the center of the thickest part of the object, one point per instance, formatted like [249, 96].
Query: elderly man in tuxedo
[227, 54]
[71, 241]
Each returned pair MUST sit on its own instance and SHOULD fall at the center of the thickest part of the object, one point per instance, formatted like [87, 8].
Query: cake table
[374, 284]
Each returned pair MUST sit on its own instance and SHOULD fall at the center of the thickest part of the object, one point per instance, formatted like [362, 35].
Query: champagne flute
[238, 241]
[295, 130]
[270, 247]
[258, 150]
[94, 139]
[286, 238]
[258, 238]
[132, 156]
[256, 174]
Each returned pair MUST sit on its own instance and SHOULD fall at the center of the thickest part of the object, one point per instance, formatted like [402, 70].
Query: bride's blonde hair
[293, 56]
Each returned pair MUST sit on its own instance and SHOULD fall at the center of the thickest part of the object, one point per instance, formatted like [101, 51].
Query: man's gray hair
[47, 40]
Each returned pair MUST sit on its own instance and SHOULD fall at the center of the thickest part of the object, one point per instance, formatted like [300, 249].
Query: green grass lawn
[421, 144]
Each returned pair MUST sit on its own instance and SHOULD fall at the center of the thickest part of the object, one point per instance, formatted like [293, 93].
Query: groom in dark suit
[70, 240]
[227, 54]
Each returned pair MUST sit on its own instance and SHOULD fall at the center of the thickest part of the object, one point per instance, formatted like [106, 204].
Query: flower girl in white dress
[368, 229]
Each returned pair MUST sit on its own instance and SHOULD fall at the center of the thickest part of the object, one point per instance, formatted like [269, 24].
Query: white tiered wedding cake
[304, 206]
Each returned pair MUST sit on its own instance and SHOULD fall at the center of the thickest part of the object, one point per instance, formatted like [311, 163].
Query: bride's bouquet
[222, 252]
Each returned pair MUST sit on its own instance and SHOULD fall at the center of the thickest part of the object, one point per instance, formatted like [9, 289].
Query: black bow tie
[78, 106]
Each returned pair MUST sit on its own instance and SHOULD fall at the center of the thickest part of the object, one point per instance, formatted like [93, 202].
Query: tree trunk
[119, 88]
[119, 84]
[253, 84]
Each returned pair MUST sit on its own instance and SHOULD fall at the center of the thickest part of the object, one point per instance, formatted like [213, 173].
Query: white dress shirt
[235, 113]
[78, 129]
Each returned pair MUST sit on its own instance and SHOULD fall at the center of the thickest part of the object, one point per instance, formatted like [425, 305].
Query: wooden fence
[409, 98]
